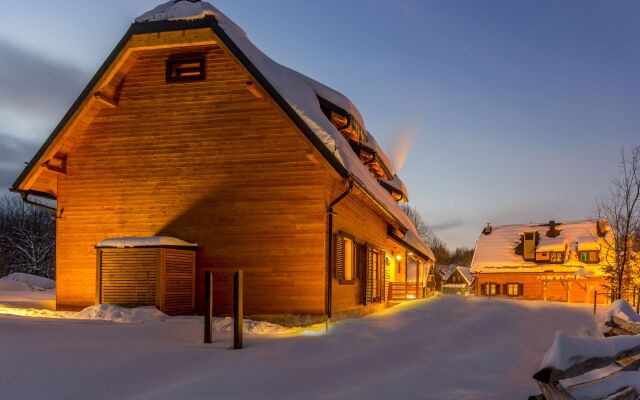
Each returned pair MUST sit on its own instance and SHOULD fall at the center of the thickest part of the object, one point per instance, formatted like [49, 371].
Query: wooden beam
[106, 100]
[253, 88]
[56, 169]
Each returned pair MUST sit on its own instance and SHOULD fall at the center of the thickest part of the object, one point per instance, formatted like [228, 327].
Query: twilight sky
[514, 111]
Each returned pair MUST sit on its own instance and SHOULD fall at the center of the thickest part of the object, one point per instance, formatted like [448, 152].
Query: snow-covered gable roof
[466, 274]
[495, 252]
[301, 93]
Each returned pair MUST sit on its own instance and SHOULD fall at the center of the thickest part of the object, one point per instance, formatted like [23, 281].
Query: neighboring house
[558, 261]
[459, 281]
[189, 131]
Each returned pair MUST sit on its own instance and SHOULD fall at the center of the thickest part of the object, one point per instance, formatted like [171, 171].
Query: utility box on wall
[153, 272]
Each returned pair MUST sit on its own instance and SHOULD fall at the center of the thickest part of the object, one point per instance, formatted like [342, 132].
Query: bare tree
[621, 209]
[444, 256]
[27, 238]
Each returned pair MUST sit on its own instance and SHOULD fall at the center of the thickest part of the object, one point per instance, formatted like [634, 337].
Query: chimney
[602, 227]
[552, 232]
[529, 246]
[487, 229]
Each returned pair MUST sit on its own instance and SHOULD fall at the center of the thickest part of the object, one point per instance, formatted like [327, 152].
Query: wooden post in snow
[208, 305]
[595, 301]
[237, 310]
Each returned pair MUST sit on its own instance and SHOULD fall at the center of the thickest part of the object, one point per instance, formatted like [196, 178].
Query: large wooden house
[558, 261]
[189, 131]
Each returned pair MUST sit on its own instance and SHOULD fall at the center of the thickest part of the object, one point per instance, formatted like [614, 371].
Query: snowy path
[443, 348]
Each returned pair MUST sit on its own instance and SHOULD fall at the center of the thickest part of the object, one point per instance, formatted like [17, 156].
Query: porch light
[398, 257]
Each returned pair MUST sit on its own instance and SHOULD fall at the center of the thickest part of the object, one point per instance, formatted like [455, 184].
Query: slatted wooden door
[128, 277]
[177, 296]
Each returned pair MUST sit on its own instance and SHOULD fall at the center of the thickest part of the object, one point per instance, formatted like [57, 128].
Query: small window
[589, 257]
[491, 289]
[513, 289]
[345, 258]
[349, 259]
[556, 257]
[185, 69]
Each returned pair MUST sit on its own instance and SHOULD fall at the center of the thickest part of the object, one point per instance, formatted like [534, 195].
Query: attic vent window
[185, 69]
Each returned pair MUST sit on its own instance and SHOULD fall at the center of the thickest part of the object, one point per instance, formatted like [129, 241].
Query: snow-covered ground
[27, 291]
[449, 347]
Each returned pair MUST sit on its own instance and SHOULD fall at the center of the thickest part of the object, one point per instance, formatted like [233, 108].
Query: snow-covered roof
[496, 251]
[447, 270]
[301, 93]
[144, 241]
[466, 274]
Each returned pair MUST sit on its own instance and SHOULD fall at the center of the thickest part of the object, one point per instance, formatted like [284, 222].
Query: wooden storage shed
[147, 271]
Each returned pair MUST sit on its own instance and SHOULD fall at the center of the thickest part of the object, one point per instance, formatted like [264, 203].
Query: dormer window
[556, 257]
[589, 257]
[185, 68]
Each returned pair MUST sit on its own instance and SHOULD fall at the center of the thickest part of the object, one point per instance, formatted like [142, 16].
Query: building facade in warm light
[556, 261]
[189, 131]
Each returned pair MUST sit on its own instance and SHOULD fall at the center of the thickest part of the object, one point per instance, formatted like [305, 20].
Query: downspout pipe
[330, 246]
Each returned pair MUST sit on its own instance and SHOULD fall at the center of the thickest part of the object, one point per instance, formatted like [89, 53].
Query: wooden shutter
[368, 276]
[505, 288]
[361, 258]
[520, 289]
[385, 279]
[483, 289]
[497, 289]
[339, 256]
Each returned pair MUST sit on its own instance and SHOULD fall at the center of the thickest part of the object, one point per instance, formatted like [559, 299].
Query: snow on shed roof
[495, 252]
[144, 241]
[301, 93]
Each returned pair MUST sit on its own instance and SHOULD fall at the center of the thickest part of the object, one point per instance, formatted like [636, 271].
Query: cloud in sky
[34, 91]
[14, 152]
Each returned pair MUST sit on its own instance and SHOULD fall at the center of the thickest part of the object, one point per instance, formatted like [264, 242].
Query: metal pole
[237, 310]
[208, 305]
[595, 301]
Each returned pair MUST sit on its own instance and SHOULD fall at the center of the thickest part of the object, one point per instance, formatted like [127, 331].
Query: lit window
[556, 257]
[513, 289]
[589, 257]
[184, 70]
[349, 259]
[490, 289]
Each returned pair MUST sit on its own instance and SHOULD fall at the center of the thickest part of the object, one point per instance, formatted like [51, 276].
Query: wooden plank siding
[356, 216]
[581, 290]
[209, 163]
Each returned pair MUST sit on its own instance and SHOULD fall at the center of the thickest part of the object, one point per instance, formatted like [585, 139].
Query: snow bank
[622, 309]
[144, 241]
[567, 351]
[109, 312]
[32, 281]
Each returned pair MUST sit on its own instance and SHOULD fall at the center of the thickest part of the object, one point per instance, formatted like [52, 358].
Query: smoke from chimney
[401, 144]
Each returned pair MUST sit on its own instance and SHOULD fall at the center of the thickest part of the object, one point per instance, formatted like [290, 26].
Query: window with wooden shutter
[345, 258]
[521, 291]
[512, 289]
